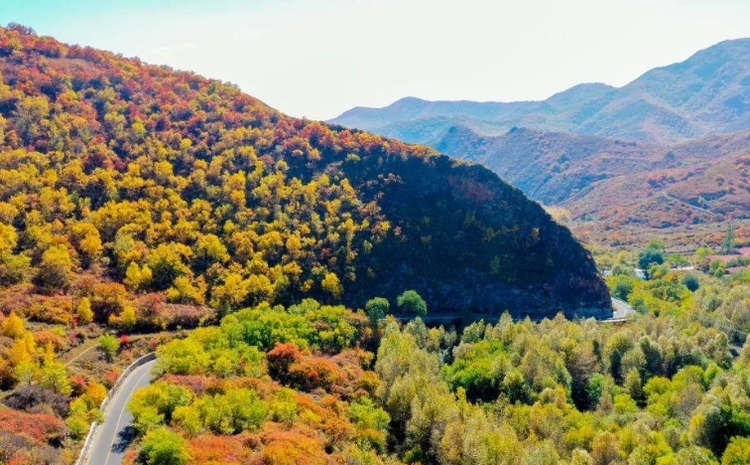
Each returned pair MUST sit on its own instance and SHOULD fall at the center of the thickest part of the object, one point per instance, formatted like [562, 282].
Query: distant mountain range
[669, 149]
[709, 93]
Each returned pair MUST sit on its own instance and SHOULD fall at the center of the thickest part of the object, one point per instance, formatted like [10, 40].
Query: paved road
[621, 310]
[114, 435]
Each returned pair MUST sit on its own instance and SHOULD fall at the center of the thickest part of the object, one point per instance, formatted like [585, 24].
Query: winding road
[113, 436]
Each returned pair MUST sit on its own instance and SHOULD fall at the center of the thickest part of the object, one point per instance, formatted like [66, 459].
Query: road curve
[621, 310]
[113, 436]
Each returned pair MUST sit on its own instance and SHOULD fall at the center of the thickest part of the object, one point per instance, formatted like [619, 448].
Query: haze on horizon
[318, 58]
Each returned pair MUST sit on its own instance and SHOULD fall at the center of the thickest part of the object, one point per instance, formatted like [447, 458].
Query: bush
[28, 397]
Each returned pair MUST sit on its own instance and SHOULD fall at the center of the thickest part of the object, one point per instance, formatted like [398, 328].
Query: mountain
[120, 173]
[709, 93]
[549, 167]
[617, 183]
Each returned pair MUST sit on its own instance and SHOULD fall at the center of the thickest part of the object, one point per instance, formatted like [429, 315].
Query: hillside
[550, 167]
[709, 93]
[171, 183]
[616, 183]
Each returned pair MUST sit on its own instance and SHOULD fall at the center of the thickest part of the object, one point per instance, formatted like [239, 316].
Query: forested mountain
[708, 93]
[172, 183]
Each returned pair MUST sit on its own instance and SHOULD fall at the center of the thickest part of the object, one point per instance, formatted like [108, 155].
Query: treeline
[662, 390]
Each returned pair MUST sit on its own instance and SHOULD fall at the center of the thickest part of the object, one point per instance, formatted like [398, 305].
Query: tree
[700, 258]
[737, 452]
[377, 309]
[55, 268]
[83, 311]
[163, 447]
[706, 426]
[137, 278]
[54, 374]
[109, 345]
[411, 302]
[581, 457]
[167, 263]
[691, 282]
[13, 326]
[728, 243]
[623, 287]
[236, 411]
[126, 320]
[692, 455]
[604, 448]
[208, 250]
[650, 257]
[332, 285]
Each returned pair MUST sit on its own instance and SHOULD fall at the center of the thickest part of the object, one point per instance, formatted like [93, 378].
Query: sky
[318, 58]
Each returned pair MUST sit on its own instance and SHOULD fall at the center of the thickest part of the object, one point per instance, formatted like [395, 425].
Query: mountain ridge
[669, 104]
[614, 182]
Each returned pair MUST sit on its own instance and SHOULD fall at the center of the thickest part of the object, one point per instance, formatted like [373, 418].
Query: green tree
[163, 447]
[411, 302]
[728, 243]
[737, 452]
[623, 286]
[650, 257]
[377, 309]
[700, 258]
[109, 345]
[54, 375]
[692, 455]
[691, 282]
[236, 411]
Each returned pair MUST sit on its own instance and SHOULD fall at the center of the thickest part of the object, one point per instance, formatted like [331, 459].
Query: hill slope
[169, 182]
[616, 182]
[706, 94]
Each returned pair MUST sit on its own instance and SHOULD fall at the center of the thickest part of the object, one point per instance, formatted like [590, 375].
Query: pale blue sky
[317, 58]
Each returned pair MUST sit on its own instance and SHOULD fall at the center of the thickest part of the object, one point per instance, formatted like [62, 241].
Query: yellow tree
[13, 326]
